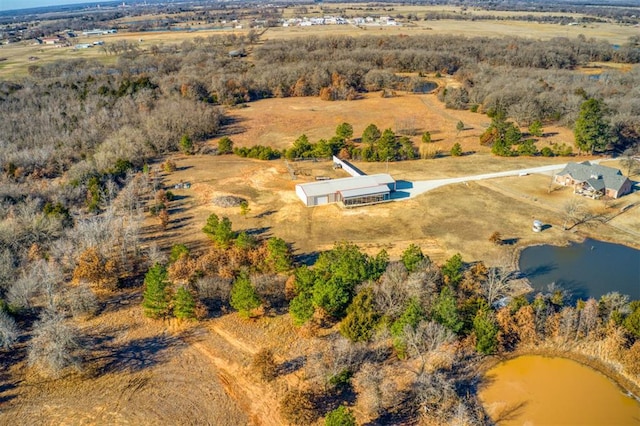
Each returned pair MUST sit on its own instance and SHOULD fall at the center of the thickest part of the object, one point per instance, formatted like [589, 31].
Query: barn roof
[357, 183]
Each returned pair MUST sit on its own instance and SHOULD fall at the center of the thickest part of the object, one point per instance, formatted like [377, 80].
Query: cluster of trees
[239, 270]
[374, 145]
[54, 264]
[429, 324]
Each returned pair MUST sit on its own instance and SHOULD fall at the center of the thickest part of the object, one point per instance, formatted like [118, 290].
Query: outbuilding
[350, 191]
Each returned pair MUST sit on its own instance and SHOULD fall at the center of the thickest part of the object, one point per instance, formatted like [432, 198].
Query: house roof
[599, 177]
[342, 185]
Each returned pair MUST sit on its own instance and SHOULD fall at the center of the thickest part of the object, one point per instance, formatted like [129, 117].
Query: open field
[457, 218]
[17, 55]
[279, 122]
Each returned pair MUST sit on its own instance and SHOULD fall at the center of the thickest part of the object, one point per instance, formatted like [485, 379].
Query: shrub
[264, 365]
[456, 150]
[297, 408]
[341, 416]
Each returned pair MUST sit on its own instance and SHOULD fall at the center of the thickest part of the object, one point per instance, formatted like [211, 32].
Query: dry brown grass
[458, 218]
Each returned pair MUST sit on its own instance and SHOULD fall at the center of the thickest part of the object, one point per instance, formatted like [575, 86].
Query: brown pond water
[536, 390]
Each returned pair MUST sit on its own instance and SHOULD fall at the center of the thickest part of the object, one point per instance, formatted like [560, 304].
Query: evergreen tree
[426, 137]
[177, 251]
[535, 129]
[244, 298]
[411, 316]
[223, 233]
[591, 131]
[361, 319]
[184, 305]
[371, 134]
[301, 308]
[452, 269]
[225, 145]
[411, 257]
[212, 224]
[278, 255]
[155, 297]
[245, 241]
[344, 131]
[486, 329]
[445, 310]
[186, 145]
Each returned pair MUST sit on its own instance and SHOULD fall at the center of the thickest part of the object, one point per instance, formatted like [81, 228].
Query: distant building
[594, 180]
[53, 40]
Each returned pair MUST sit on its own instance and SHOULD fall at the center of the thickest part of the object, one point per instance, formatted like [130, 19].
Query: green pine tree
[155, 297]
[243, 296]
[445, 310]
[486, 329]
[412, 257]
[212, 224]
[361, 319]
[278, 255]
[591, 131]
[184, 305]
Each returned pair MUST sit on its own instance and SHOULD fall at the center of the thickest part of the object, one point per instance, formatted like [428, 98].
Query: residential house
[594, 180]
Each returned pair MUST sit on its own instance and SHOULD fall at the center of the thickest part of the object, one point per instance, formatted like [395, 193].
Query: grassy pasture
[457, 218]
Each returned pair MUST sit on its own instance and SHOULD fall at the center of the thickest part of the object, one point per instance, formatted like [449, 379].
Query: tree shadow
[540, 270]
[511, 412]
[265, 214]
[6, 388]
[263, 231]
[307, 259]
[291, 365]
[232, 126]
[510, 241]
[137, 355]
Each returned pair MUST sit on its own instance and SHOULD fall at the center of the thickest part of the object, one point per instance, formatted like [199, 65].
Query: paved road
[421, 186]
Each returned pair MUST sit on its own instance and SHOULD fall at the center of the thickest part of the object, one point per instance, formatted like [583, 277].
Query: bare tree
[427, 337]
[588, 321]
[497, 284]
[8, 331]
[630, 160]
[79, 301]
[54, 345]
[576, 213]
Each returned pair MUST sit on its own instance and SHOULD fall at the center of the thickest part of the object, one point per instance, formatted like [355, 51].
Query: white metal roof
[360, 192]
[314, 189]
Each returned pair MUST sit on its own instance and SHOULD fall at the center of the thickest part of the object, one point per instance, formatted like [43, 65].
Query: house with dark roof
[594, 180]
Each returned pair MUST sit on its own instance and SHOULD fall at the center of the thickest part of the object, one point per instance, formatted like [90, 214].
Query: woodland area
[77, 138]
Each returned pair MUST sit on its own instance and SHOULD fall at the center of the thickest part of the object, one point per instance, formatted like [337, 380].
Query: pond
[588, 269]
[537, 390]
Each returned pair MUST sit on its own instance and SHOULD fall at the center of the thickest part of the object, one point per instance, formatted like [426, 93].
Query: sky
[25, 4]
